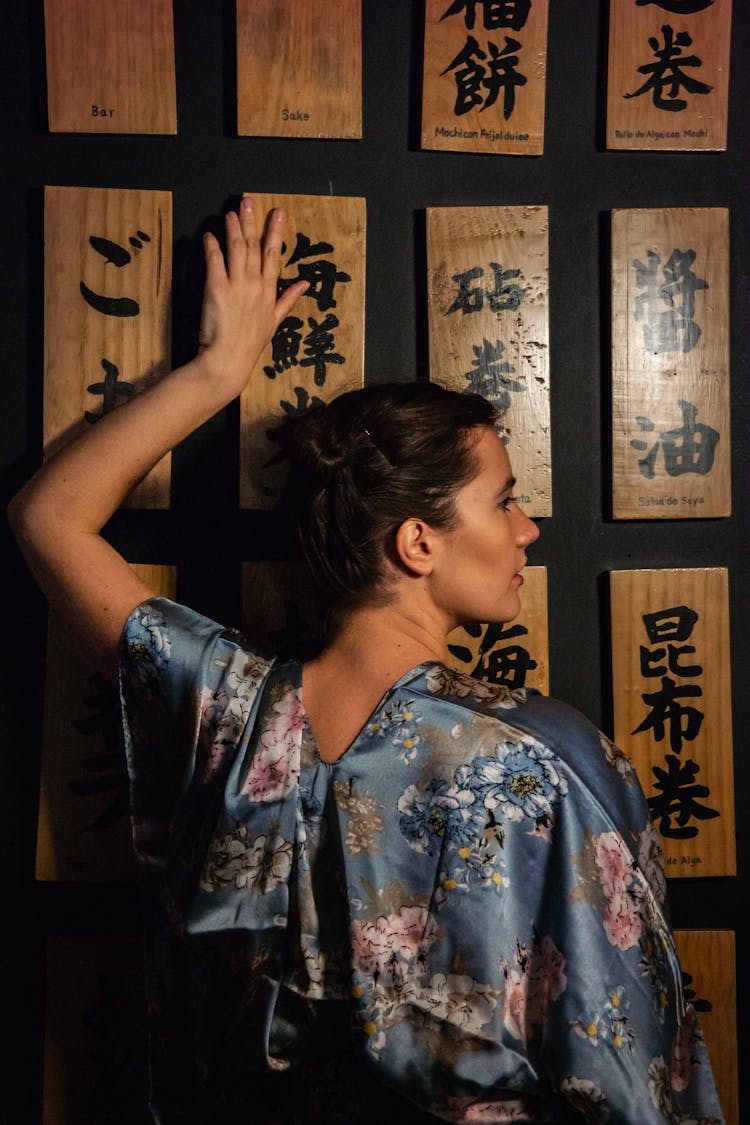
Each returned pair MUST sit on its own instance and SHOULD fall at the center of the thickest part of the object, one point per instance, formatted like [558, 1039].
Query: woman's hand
[241, 306]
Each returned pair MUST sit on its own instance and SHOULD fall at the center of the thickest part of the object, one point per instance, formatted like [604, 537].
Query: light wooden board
[280, 611]
[668, 75]
[95, 1065]
[670, 363]
[515, 653]
[710, 985]
[107, 309]
[110, 66]
[485, 68]
[83, 832]
[299, 68]
[488, 305]
[318, 351]
[673, 708]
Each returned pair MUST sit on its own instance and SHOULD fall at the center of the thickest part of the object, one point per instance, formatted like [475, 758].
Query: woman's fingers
[236, 245]
[272, 243]
[249, 233]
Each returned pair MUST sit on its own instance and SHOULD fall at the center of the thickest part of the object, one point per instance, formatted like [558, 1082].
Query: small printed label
[294, 115]
[102, 111]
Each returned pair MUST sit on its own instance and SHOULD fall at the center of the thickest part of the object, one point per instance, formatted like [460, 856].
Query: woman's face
[477, 576]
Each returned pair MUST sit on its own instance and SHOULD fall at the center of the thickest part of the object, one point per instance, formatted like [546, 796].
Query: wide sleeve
[186, 687]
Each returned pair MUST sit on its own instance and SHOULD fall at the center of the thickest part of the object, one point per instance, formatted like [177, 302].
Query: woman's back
[450, 908]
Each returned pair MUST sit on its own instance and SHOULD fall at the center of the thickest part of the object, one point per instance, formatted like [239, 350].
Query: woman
[389, 889]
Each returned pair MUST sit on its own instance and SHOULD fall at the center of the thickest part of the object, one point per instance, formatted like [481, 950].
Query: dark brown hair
[366, 462]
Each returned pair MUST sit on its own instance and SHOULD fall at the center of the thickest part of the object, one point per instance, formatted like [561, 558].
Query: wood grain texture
[672, 708]
[83, 832]
[484, 77]
[708, 957]
[110, 66]
[505, 653]
[493, 263]
[675, 48]
[95, 1032]
[107, 310]
[299, 68]
[670, 363]
[319, 351]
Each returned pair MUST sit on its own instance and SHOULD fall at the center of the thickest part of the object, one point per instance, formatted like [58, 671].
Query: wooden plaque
[83, 833]
[485, 68]
[280, 611]
[670, 363]
[673, 708]
[318, 351]
[107, 306]
[515, 653]
[299, 68]
[95, 1059]
[668, 74]
[110, 66]
[710, 985]
[488, 298]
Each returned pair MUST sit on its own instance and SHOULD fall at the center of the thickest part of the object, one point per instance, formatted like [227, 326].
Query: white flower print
[259, 865]
[586, 1097]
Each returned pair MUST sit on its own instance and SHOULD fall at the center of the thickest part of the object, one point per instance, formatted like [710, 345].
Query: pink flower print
[529, 992]
[275, 768]
[681, 1070]
[393, 943]
[622, 921]
[615, 863]
[495, 1112]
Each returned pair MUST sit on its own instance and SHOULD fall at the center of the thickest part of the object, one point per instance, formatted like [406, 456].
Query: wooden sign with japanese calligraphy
[710, 984]
[485, 69]
[83, 831]
[110, 66]
[95, 1040]
[107, 304]
[318, 351]
[299, 68]
[668, 74]
[670, 363]
[488, 298]
[673, 708]
[515, 653]
[280, 611]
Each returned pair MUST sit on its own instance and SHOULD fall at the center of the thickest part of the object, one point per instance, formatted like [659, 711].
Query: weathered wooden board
[110, 66]
[280, 611]
[673, 708]
[83, 832]
[299, 68]
[488, 298]
[515, 653]
[670, 363]
[668, 74]
[318, 351]
[107, 310]
[710, 985]
[485, 68]
[95, 1062]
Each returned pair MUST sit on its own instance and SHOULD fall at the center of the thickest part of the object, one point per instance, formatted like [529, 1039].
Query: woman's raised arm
[57, 517]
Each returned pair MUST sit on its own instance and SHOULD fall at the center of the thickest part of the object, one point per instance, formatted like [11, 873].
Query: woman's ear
[415, 544]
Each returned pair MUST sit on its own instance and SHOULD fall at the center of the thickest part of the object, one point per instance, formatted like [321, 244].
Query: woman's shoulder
[506, 714]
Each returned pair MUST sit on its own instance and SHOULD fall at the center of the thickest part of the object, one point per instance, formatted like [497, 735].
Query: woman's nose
[528, 532]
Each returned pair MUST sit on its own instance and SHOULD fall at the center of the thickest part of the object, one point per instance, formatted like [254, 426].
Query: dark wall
[205, 166]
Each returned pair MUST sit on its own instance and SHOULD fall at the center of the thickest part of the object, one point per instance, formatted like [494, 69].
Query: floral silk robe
[464, 914]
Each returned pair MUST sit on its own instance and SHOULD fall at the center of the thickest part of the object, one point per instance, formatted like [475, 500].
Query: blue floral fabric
[467, 907]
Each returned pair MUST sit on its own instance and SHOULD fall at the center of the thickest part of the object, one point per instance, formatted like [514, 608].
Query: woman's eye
[507, 501]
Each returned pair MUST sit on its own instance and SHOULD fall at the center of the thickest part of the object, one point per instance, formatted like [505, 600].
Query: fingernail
[247, 203]
[279, 214]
